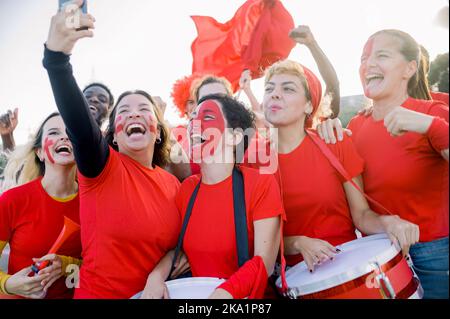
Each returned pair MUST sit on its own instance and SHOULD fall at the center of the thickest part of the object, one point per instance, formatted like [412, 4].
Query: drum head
[190, 288]
[356, 259]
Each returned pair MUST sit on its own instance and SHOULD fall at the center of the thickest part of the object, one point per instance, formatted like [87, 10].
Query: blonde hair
[23, 163]
[294, 68]
[209, 79]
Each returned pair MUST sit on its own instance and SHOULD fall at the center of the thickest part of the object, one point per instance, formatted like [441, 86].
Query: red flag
[255, 38]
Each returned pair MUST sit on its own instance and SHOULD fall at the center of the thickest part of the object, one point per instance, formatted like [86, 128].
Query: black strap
[240, 220]
[240, 217]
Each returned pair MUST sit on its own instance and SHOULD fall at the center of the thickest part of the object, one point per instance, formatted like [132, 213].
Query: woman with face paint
[217, 141]
[256, 155]
[129, 219]
[32, 216]
[322, 208]
[404, 144]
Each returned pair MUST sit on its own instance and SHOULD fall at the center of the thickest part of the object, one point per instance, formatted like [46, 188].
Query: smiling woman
[51, 196]
[404, 144]
[129, 220]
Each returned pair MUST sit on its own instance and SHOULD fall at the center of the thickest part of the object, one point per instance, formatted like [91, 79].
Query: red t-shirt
[30, 221]
[440, 96]
[129, 221]
[405, 173]
[210, 241]
[313, 193]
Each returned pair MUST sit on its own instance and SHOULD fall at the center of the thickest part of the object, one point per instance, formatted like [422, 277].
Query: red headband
[315, 91]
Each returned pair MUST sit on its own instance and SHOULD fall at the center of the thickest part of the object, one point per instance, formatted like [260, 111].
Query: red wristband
[438, 134]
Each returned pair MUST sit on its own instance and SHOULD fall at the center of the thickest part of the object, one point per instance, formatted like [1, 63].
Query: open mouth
[64, 150]
[373, 78]
[197, 139]
[135, 129]
[92, 108]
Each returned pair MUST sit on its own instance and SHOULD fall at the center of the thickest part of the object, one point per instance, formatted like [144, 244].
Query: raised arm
[303, 35]
[90, 148]
[245, 85]
[8, 123]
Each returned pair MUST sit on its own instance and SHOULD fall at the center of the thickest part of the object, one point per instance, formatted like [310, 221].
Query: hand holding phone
[72, 6]
[69, 26]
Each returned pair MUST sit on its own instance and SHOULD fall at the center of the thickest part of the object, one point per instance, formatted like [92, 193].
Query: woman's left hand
[401, 120]
[181, 266]
[53, 269]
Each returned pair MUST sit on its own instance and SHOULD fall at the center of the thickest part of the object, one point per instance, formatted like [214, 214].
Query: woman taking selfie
[129, 219]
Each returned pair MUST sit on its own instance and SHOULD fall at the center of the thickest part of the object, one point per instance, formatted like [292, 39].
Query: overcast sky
[146, 44]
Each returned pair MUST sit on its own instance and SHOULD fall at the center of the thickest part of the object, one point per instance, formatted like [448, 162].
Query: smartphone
[83, 10]
[63, 2]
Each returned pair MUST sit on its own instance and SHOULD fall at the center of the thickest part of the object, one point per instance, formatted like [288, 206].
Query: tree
[438, 75]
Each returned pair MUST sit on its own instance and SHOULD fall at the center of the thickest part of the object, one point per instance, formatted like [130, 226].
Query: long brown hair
[23, 164]
[418, 86]
[162, 149]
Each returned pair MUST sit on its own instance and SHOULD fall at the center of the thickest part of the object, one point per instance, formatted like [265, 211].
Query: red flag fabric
[255, 38]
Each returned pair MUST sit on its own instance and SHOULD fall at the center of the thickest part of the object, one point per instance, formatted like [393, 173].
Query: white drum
[190, 288]
[367, 268]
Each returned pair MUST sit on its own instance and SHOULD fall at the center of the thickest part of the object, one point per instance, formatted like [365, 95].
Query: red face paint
[47, 144]
[210, 116]
[152, 123]
[210, 123]
[118, 124]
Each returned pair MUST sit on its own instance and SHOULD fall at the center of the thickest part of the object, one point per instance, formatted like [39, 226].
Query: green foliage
[3, 161]
[438, 75]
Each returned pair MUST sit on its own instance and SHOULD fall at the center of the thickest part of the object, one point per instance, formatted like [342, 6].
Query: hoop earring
[158, 140]
[114, 142]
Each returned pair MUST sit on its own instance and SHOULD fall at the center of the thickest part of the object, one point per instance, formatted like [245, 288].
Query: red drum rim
[405, 293]
[349, 276]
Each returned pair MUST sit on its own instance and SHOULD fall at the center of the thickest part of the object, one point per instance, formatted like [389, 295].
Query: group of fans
[132, 200]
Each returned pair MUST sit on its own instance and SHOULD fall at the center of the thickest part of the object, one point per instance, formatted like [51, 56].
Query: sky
[145, 44]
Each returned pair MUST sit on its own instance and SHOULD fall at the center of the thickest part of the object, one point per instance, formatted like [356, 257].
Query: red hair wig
[181, 92]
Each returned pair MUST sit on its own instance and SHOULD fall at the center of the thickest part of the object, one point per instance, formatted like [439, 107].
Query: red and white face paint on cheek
[152, 123]
[118, 124]
[47, 144]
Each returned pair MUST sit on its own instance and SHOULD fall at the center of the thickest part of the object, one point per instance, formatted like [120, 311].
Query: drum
[190, 288]
[367, 268]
